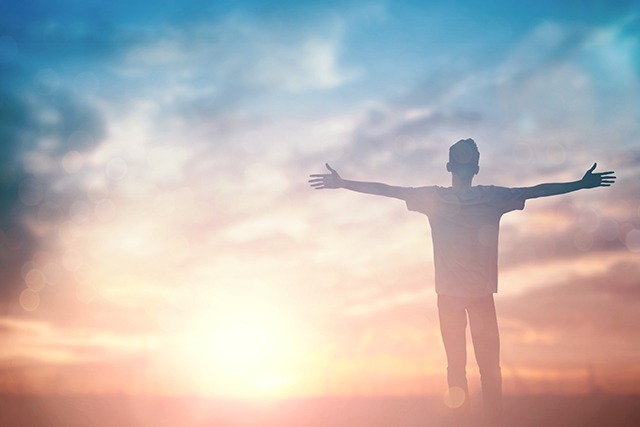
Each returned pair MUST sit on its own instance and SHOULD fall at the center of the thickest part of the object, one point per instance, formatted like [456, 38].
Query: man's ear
[477, 170]
[448, 167]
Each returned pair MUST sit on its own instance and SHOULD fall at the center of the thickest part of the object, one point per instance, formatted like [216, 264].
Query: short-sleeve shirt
[464, 230]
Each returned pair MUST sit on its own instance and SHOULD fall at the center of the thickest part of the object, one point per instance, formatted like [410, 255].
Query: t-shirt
[464, 230]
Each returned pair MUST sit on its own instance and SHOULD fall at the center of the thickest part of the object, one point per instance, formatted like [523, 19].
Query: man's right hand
[320, 181]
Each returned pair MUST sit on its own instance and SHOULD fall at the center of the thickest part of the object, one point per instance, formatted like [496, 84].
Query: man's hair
[464, 153]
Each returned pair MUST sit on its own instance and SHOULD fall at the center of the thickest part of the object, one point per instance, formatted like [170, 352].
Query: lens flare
[454, 397]
[29, 299]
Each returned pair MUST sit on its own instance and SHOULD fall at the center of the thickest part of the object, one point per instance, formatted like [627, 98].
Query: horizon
[582, 411]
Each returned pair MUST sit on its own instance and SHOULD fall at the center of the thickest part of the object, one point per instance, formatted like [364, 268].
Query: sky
[158, 234]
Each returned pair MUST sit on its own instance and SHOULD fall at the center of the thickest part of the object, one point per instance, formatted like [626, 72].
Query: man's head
[464, 158]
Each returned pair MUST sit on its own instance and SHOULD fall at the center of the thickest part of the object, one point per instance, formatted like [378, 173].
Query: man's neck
[460, 184]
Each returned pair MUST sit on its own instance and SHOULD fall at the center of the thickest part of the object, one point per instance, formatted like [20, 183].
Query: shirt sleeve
[509, 199]
[420, 199]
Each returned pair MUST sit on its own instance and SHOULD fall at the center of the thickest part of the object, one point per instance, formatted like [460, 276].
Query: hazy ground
[125, 411]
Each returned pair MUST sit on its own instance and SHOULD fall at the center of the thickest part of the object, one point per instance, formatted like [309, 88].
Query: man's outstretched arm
[334, 180]
[589, 180]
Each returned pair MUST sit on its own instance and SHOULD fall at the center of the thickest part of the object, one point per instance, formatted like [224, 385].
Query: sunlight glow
[244, 349]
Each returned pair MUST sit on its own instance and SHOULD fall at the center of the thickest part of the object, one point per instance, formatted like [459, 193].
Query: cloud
[237, 54]
[587, 319]
[562, 230]
[389, 137]
[313, 65]
[35, 342]
[38, 132]
[546, 46]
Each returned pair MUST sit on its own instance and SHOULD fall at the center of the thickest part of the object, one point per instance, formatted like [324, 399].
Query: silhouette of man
[464, 222]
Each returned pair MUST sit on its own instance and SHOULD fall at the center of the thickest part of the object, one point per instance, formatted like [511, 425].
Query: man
[464, 222]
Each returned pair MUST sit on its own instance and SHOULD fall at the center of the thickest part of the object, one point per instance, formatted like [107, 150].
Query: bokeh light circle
[29, 300]
[72, 162]
[35, 280]
[632, 240]
[117, 169]
[583, 241]
[455, 397]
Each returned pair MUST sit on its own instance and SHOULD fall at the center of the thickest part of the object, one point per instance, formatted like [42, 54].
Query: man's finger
[330, 168]
[592, 168]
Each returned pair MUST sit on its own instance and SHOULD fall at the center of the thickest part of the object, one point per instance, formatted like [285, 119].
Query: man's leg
[486, 344]
[453, 326]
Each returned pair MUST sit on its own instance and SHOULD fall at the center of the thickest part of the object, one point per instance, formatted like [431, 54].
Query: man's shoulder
[421, 199]
[427, 187]
[422, 191]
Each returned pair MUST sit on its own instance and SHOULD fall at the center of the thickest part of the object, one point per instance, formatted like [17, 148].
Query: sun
[245, 349]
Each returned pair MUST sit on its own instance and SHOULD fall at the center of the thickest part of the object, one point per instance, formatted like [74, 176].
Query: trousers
[481, 312]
